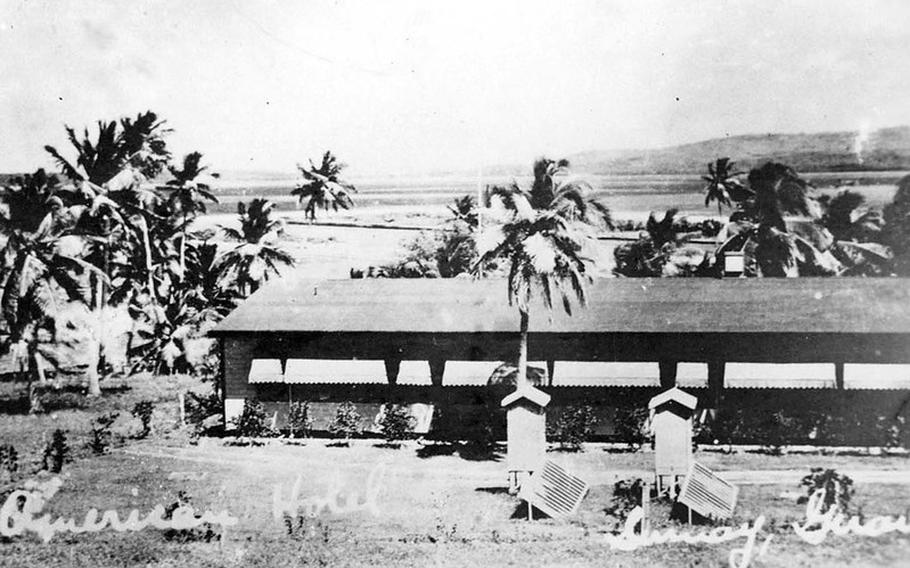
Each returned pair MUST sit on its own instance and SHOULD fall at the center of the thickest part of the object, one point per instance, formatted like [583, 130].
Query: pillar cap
[528, 392]
[675, 395]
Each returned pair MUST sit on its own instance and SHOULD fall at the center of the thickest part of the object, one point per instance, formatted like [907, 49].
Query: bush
[346, 422]
[710, 227]
[253, 422]
[775, 431]
[626, 496]
[203, 533]
[631, 426]
[9, 461]
[201, 407]
[838, 489]
[100, 437]
[574, 427]
[433, 255]
[640, 259]
[56, 452]
[143, 412]
[53, 400]
[299, 421]
[396, 422]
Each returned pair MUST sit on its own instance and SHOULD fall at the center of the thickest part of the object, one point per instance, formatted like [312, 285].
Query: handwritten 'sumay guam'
[814, 530]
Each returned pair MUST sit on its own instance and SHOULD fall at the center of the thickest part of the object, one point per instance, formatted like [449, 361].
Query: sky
[406, 87]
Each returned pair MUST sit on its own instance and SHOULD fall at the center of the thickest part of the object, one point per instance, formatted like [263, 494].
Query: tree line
[101, 238]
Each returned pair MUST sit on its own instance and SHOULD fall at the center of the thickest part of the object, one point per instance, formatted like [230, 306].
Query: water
[622, 193]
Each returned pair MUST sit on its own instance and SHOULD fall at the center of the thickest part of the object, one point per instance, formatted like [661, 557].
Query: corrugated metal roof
[679, 305]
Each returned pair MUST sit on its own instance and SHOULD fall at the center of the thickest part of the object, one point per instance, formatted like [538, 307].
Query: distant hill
[884, 149]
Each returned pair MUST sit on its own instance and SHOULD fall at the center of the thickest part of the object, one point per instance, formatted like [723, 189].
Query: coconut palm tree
[119, 150]
[722, 184]
[106, 174]
[846, 216]
[257, 257]
[322, 186]
[464, 210]
[778, 226]
[187, 194]
[543, 240]
[189, 189]
[896, 232]
[42, 268]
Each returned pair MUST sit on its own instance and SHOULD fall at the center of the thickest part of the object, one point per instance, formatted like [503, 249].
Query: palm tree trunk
[33, 377]
[522, 379]
[148, 260]
[93, 372]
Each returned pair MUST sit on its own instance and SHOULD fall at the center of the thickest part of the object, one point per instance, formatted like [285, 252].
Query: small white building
[672, 426]
[526, 432]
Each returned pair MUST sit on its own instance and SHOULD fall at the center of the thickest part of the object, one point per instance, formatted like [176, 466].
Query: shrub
[100, 437]
[396, 422]
[299, 421]
[204, 533]
[52, 401]
[710, 227]
[641, 258]
[574, 427]
[775, 431]
[838, 488]
[143, 412]
[201, 407]
[626, 496]
[253, 422]
[631, 426]
[346, 422]
[56, 452]
[9, 461]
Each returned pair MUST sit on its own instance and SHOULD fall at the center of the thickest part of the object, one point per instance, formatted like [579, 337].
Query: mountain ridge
[882, 149]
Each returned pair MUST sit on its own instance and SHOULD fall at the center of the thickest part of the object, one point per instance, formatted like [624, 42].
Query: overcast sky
[413, 86]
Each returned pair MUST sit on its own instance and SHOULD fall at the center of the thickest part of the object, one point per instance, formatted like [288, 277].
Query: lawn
[434, 507]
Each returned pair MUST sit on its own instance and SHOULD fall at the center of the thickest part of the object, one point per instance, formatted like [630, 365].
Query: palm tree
[256, 258]
[722, 184]
[42, 268]
[188, 194]
[896, 232]
[543, 240]
[188, 191]
[135, 146]
[323, 187]
[777, 225]
[847, 218]
[464, 210]
[107, 173]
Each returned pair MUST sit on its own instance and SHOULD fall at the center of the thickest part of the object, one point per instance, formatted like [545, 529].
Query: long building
[426, 339]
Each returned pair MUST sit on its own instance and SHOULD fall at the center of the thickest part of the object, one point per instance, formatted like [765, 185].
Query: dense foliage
[107, 238]
[573, 427]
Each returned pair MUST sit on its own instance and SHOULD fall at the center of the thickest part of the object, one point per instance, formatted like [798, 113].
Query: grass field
[439, 509]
